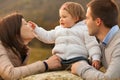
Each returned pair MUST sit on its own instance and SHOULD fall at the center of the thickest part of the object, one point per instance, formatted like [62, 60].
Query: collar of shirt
[110, 34]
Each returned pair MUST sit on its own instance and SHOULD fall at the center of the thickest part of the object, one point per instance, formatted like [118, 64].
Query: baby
[71, 38]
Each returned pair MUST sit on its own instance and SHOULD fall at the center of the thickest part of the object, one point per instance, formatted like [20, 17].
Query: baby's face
[66, 20]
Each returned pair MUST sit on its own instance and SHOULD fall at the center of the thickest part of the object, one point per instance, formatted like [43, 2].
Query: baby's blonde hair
[74, 9]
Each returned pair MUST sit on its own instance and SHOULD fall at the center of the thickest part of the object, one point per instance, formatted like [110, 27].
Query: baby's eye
[64, 16]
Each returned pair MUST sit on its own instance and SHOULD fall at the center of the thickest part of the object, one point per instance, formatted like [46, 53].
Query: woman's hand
[53, 62]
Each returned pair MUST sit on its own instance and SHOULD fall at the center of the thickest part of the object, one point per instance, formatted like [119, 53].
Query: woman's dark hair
[10, 37]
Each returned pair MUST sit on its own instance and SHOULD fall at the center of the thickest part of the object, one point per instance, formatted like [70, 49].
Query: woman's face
[27, 33]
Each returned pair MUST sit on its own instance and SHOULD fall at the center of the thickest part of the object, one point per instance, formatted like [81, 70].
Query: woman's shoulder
[1, 45]
[2, 48]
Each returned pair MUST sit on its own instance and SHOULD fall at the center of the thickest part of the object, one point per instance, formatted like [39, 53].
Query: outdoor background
[42, 12]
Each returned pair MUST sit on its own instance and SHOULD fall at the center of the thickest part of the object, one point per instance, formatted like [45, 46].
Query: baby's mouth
[62, 23]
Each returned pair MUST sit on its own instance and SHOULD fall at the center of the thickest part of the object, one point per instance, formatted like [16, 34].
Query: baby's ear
[32, 24]
[77, 19]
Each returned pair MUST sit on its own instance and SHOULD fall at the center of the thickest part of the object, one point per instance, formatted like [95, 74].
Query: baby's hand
[96, 64]
[32, 24]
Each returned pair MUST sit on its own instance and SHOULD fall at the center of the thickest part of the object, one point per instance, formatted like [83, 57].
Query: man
[102, 22]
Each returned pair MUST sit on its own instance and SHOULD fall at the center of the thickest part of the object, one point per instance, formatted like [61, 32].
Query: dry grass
[39, 54]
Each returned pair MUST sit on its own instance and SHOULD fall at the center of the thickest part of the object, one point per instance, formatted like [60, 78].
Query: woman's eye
[25, 24]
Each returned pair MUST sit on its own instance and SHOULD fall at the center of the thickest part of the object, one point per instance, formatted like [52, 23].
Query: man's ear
[98, 21]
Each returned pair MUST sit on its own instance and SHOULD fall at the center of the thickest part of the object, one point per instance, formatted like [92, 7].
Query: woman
[15, 34]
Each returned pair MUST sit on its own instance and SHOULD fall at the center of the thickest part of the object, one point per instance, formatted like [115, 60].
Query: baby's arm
[42, 34]
[96, 61]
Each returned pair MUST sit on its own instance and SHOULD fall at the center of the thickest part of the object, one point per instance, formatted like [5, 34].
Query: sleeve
[44, 35]
[9, 72]
[92, 46]
[112, 73]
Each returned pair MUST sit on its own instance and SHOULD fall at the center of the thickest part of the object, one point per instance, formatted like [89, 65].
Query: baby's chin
[64, 26]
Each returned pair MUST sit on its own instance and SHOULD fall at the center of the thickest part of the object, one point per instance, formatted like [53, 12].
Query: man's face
[91, 24]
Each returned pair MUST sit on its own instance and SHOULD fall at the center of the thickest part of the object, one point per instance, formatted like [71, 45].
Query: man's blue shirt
[110, 34]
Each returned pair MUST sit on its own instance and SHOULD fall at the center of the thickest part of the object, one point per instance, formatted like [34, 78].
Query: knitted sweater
[110, 60]
[11, 67]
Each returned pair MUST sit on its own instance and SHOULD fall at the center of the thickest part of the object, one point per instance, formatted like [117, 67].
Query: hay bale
[54, 75]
